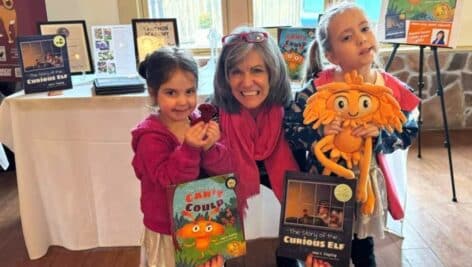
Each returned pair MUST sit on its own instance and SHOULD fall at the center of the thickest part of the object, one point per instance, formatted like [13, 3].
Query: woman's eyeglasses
[249, 37]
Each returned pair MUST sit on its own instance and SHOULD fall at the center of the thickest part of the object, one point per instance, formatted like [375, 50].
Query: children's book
[205, 220]
[317, 217]
[44, 63]
[294, 43]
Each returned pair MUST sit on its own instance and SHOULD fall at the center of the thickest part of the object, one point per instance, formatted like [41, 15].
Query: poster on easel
[113, 50]
[17, 17]
[420, 22]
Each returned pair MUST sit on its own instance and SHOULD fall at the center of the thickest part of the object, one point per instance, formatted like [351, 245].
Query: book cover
[205, 220]
[317, 217]
[294, 43]
[44, 63]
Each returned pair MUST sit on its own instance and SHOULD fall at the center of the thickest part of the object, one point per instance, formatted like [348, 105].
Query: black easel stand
[440, 93]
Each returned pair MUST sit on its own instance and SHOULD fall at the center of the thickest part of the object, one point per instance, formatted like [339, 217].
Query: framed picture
[274, 31]
[113, 50]
[77, 43]
[152, 34]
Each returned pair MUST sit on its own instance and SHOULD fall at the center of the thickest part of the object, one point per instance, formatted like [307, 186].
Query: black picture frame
[151, 34]
[78, 47]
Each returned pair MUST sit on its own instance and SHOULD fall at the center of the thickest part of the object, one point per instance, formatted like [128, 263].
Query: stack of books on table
[118, 85]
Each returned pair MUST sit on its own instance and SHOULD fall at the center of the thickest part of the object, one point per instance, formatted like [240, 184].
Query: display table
[76, 185]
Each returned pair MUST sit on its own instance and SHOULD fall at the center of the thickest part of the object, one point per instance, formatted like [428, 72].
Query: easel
[440, 93]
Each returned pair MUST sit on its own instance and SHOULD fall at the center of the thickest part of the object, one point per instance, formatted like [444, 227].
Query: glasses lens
[250, 37]
[256, 37]
[230, 38]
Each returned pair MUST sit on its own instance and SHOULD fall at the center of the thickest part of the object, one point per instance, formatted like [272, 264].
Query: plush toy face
[353, 104]
[356, 103]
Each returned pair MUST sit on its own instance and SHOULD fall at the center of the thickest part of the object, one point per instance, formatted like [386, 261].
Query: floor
[435, 228]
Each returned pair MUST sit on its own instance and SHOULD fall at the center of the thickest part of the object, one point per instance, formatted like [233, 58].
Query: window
[195, 19]
[303, 13]
[287, 13]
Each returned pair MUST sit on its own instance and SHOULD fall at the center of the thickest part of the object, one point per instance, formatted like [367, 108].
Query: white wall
[94, 12]
[464, 38]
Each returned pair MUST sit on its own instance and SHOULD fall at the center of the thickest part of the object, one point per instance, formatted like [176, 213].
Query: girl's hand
[333, 128]
[369, 130]
[213, 134]
[196, 134]
[216, 261]
[311, 261]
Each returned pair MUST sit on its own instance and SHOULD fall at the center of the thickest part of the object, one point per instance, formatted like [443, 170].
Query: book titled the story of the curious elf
[317, 217]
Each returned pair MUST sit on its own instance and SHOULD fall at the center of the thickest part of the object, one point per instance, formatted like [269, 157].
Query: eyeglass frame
[243, 36]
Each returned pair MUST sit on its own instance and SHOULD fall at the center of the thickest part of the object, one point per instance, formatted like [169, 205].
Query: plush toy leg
[368, 206]
[364, 171]
[329, 164]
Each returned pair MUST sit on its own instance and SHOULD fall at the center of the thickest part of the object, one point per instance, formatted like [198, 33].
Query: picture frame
[112, 50]
[151, 34]
[274, 31]
[78, 46]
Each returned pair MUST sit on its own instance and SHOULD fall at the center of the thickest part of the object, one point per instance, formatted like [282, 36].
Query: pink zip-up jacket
[160, 160]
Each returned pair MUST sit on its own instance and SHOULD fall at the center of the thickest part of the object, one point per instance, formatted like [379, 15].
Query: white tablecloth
[76, 186]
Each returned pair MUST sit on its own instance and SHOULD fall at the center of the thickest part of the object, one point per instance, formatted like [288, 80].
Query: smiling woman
[251, 90]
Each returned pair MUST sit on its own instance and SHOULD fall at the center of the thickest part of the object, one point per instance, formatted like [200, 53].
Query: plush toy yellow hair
[356, 103]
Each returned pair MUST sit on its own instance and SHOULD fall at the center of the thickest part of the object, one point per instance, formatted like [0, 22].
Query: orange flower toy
[356, 103]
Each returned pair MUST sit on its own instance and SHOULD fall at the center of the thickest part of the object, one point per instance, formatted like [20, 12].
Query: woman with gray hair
[251, 90]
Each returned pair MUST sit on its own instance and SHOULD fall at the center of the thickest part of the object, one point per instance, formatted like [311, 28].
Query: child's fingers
[331, 129]
[368, 130]
[198, 130]
[309, 260]
[217, 261]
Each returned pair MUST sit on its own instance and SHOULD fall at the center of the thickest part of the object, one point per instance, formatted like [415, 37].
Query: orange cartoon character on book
[205, 218]
[200, 231]
[355, 103]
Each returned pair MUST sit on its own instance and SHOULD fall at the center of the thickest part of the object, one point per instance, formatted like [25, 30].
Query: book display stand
[440, 93]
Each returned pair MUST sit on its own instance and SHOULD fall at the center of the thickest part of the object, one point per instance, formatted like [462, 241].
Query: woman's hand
[216, 261]
[213, 134]
[369, 130]
[311, 261]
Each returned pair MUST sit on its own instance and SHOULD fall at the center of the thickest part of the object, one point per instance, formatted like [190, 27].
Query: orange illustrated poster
[420, 22]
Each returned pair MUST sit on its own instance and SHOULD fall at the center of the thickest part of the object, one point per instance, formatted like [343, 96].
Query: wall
[465, 34]
[94, 12]
[456, 76]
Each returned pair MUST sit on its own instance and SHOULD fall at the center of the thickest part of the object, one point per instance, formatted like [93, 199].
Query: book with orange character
[293, 43]
[205, 220]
